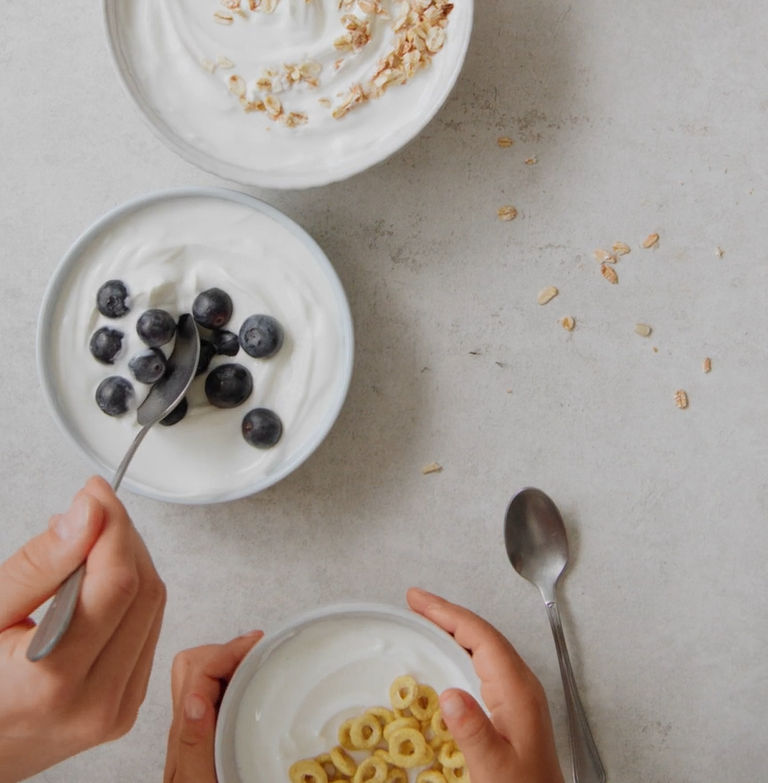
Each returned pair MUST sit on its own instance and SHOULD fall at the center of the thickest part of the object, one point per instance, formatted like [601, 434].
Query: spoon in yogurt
[537, 547]
[163, 397]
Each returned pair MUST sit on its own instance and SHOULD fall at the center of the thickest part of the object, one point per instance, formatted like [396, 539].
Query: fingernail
[194, 707]
[249, 634]
[452, 705]
[71, 524]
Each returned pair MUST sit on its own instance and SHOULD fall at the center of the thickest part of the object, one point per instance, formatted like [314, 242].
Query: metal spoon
[537, 547]
[163, 397]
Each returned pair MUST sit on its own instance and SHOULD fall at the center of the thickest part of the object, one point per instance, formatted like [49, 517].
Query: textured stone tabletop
[635, 118]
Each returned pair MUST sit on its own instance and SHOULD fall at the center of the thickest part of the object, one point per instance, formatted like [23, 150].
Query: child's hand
[198, 679]
[89, 689]
[517, 743]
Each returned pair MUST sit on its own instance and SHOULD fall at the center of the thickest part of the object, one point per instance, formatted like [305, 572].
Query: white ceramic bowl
[159, 48]
[167, 247]
[293, 690]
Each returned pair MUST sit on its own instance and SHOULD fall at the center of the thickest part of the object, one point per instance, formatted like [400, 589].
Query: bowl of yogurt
[288, 93]
[296, 687]
[276, 342]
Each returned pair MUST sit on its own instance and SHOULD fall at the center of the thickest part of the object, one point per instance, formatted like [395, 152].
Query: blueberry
[156, 327]
[114, 395]
[225, 342]
[106, 343]
[177, 414]
[228, 385]
[207, 352]
[112, 299]
[261, 336]
[212, 308]
[262, 428]
[148, 366]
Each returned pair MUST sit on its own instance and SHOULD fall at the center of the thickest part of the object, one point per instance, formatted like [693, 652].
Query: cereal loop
[457, 775]
[402, 692]
[343, 761]
[307, 771]
[371, 770]
[382, 714]
[408, 748]
[365, 732]
[399, 723]
[430, 776]
[437, 724]
[450, 756]
[344, 739]
[397, 775]
[325, 761]
[424, 705]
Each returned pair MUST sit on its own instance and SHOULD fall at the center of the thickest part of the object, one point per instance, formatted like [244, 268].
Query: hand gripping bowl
[290, 694]
[282, 95]
[167, 248]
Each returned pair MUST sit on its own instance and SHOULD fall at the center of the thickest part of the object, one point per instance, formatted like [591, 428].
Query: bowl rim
[70, 258]
[297, 180]
[224, 742]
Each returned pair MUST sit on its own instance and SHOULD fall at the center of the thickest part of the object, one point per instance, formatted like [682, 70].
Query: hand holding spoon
[537, 547]
[163, 397]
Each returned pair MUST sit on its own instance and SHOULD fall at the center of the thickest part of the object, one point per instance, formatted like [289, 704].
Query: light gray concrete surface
[642, 117]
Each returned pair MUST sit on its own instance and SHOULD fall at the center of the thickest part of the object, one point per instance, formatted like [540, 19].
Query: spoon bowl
[537, 547]
[163, 397]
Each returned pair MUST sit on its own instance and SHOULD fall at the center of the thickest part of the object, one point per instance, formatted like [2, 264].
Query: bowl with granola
[288, 93]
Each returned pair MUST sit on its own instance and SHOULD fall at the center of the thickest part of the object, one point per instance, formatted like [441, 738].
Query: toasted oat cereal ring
[397, 775]
[371, 770]
[383, 754]
[450, 756]
[325, 761]
[399, 723]
[430, 776]
[365, 732]
[343, 762]
[408, 748]
[383, 715]
[402, 691]
[424, 705]
[439, 729]
[343, 734]
[307, 771]
[456, 775]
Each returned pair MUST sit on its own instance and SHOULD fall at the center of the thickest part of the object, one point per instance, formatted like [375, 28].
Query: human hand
[517, 742]
[198, 679]
[89, 689]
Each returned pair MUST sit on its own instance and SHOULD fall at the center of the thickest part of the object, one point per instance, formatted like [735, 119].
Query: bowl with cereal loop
[288, 93]
[276, 342]
[345, 691]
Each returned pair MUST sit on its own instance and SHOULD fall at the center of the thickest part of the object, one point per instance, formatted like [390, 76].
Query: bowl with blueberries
[275, 334]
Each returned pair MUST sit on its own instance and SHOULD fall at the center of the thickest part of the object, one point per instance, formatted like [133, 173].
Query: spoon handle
[59, 614]
[585, 760]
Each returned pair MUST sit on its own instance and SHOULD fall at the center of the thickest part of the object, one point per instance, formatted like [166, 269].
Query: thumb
[486, 752]
[32, 575]
[194, 751]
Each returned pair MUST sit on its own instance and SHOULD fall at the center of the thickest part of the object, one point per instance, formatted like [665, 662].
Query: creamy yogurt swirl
[167, 252]
[327, 671]
[179, 63]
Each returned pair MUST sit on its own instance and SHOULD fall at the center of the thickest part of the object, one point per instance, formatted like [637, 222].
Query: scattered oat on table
[532, 161]
[621, 248]
[719, 252]
[547, 294]
[505, 141]
[681, 398]
[568, 323]
[707, 365]
[604, 257]
[643, 330]
[433, 467]
[507, 212]
[609, 273]
[650, 241]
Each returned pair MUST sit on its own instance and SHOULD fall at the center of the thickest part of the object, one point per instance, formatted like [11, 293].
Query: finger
[34, 573]
[193, 761]
[201, 671]
[110, 585]
[486, 752]
[506, 681]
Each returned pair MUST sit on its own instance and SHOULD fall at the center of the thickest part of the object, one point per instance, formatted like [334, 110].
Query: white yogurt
[167, 251]
[327, 671]
[161, 49]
